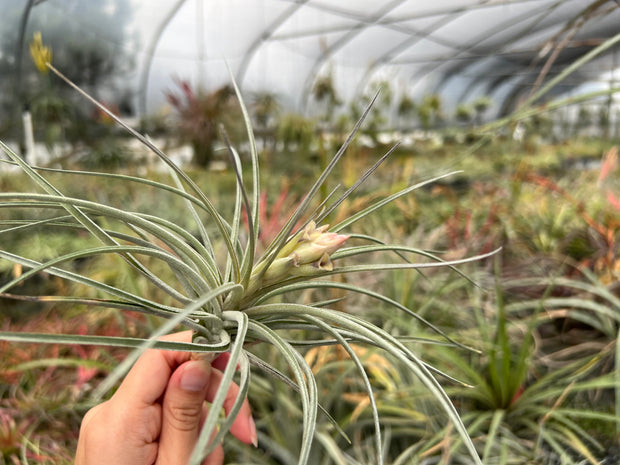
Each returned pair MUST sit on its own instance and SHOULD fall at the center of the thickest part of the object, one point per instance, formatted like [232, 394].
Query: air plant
[233, 303]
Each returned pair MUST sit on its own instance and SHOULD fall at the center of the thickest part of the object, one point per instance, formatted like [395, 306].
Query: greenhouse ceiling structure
[459, 49]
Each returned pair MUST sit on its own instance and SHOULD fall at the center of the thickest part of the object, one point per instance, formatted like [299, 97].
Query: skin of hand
[155, 415]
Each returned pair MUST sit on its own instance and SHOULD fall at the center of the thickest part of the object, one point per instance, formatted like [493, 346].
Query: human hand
[156, 414]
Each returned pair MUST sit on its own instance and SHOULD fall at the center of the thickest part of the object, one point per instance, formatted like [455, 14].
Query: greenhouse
[310, 232]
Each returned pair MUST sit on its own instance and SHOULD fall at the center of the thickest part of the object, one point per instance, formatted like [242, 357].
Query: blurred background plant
[229, 294]
[565, 320]
[68, 127]
[544, 388]
[200, 114]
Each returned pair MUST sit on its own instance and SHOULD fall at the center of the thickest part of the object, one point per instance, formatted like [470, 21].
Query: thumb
[182, 412]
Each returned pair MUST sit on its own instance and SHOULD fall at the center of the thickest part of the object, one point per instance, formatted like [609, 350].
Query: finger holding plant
[229, 304]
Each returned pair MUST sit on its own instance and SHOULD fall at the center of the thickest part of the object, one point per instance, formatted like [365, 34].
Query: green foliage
[522, 398]
[480, 106]
[434, 219]
[265, 109]
[220, 286]
[296, 132]
[406, 106]
[464, 113]
[430, 111]
[324, 91]
[540, 389]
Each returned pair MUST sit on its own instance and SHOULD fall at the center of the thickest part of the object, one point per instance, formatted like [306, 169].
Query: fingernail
[194, 377]
[253, 436]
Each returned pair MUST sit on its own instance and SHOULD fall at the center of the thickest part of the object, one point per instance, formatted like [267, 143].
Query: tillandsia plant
[230, 298]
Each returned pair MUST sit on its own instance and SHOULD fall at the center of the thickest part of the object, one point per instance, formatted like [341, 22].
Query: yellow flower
[41, 55]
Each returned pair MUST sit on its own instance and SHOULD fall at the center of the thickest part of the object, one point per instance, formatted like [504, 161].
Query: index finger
[243, 427]
[147, 380]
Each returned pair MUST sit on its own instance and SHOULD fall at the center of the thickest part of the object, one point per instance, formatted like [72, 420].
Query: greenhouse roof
[461, 49]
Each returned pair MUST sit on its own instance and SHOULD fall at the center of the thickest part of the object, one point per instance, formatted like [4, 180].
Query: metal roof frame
[563, 28]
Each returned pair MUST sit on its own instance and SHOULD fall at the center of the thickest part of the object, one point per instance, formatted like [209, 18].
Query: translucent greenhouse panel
[424, 51]
[285, 46]
[357, 8]
[417, 9]
[308, 20]
[363, 50]
[279, 69]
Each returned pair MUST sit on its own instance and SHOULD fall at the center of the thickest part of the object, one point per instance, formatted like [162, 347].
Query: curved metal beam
[268, 32]
[446, 15]
[150, 53]
[458, 67]
[353, 32]
[19, 52]
[497, 81]
[467, 90]
[416, 36]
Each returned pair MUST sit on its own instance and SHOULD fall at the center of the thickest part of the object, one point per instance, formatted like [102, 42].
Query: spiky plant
[530, 406]
[230, 298]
